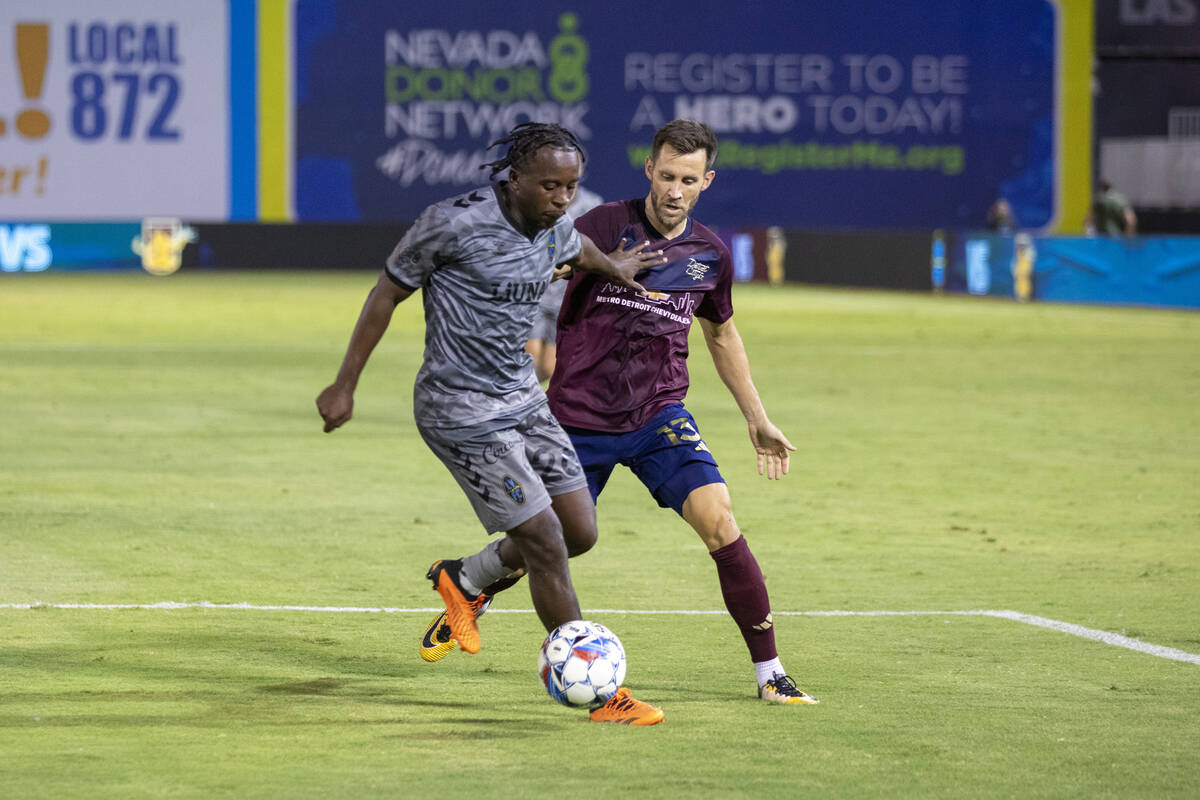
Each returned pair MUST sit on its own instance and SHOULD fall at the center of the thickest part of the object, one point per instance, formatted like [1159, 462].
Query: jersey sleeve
[569, 243]
[717, 305]
[429, 243]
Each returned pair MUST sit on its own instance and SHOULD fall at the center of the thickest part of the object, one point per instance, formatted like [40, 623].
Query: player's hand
[773, 450]
[336, 405]
[629, 261]
[563, 272]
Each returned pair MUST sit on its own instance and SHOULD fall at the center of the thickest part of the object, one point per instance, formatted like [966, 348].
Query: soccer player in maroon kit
[622, 375]
[621, 378]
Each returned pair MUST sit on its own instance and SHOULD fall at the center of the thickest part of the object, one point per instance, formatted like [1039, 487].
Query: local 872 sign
[113, 110]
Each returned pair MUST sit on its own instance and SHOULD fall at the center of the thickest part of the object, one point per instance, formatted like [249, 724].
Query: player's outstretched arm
[336, 402]
[621, 265]
[729, 356]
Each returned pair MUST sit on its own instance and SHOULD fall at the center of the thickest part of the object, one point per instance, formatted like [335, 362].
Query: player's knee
[577, 514]
[540, 540]
[709, 511]
[580, 539]
[718, 531]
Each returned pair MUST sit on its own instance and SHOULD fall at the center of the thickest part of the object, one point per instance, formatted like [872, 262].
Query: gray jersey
[482, 281]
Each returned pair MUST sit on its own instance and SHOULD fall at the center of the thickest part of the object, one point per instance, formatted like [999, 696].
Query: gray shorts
[510, 474]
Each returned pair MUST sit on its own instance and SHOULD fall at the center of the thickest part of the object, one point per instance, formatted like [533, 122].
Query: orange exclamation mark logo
[33, 53]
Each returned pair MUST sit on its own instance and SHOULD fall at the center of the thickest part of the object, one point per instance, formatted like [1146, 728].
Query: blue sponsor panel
[878, 115]
[1139, 270]
[982, 265]
[37, 247]
[1155, 271]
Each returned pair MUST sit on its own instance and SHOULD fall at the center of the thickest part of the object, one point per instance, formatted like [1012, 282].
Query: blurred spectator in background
[1001, 219]
[1024, 257]
[1110, 214]
[543, 341]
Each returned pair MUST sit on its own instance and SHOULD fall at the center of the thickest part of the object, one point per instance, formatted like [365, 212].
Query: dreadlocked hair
[526, 139]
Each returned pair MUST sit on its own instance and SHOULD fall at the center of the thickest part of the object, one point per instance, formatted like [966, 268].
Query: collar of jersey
[640, 206]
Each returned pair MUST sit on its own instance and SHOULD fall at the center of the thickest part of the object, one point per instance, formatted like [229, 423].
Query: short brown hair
[687, 136]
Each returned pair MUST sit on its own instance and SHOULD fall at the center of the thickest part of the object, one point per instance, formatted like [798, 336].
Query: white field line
[1104, 637]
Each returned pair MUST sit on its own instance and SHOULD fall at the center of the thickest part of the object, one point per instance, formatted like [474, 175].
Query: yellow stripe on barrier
[1073, 129]
[274, 110]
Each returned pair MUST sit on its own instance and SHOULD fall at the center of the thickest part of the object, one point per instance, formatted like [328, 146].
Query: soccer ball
[581, 664]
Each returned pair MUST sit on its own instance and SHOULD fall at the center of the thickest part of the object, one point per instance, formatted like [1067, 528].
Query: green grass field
[161, 445]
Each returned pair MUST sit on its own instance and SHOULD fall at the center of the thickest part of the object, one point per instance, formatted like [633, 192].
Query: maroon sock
[500, 585]
[745, 595]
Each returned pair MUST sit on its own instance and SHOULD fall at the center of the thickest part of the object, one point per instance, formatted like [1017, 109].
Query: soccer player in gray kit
[483, 260]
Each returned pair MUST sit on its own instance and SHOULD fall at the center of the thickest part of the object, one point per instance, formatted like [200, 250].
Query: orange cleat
[623, 709]
[460, 605]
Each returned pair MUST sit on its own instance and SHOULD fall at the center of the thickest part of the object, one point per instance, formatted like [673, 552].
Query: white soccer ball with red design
[581, 664]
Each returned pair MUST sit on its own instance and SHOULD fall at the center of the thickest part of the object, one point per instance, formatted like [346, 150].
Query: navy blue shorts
[667, 454]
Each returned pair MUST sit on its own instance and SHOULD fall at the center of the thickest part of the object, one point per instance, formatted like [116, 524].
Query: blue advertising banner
[1137, 270]
[872, 114]
[37, 247]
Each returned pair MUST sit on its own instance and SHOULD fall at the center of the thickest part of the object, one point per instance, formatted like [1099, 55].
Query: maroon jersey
[622, 357]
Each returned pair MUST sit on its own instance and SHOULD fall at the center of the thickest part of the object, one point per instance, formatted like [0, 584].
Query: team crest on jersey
[514, 490]
[695, 269]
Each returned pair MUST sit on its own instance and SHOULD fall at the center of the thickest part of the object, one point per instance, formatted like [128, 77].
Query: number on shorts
[682, 430]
